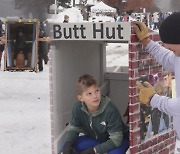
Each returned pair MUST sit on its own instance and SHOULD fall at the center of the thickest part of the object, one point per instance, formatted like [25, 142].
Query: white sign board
[108, 31]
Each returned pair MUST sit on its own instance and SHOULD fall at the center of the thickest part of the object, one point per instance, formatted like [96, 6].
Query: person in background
[119, 18]
[156, 21]
[1, 28]
[66, 19]
[168, 55]
[150, 20]
[99, 119]
[43, 47]
[20, 45]
[1, 40]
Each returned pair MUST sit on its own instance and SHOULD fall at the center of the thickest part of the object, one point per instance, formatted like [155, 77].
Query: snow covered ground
[25, 113]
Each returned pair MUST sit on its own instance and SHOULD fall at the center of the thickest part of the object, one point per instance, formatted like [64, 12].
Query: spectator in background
[145, 20]
[150, 20]
[1, 42]
[20, 45]
[43, 47]
[1, 29]
[66, 19]
[125, 18]
[156, 21]
[119, 18]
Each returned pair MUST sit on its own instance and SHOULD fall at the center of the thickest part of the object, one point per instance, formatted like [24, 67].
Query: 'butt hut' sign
[110, 31]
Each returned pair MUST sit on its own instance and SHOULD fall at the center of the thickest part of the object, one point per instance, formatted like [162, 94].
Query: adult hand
[146, 91]
[88, 151]
[141, 30]
[68, 148]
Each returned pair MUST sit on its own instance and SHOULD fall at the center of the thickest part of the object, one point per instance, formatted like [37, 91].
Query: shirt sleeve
[165, 104]
[115, 130]
[74, 128]
[165, 57]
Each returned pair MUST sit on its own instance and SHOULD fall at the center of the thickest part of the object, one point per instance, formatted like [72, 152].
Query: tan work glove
[146, 91]
[141, 30]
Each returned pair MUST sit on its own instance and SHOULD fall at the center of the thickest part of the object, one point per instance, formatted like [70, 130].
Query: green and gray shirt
[104, 125]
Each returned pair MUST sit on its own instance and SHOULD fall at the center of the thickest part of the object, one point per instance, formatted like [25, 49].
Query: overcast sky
[7, 9]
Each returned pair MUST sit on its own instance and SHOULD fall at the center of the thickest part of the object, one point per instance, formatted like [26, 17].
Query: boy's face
[91, 96]
[175, 48]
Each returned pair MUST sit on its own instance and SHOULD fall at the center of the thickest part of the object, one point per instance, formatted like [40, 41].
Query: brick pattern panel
[51, 102]
[142, 63]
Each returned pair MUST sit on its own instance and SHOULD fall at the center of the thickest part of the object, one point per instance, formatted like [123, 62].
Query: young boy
[98, 118]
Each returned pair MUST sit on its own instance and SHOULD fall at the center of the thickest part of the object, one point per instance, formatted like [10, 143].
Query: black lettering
[82, 28]
[119, 28]
[112, 35]
[75, 31]
[97, 30]
[65, 33]
[57, 32]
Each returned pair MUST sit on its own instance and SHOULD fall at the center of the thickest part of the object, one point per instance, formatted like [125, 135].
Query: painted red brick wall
[140, 63]
[51, 100]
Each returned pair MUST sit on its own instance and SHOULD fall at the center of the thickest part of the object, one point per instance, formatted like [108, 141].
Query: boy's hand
[89, 151]
[146, 92]
[68, 149]
[141, 30]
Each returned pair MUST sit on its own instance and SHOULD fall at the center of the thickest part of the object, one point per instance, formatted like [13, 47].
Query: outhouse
[21, 44]
[80, 48]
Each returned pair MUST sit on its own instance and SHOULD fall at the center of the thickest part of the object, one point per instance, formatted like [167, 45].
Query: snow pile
[73, 13]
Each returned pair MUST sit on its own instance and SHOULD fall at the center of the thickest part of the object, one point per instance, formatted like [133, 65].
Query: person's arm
[164, 56]
[165, 104]
[115, 130]
[148, 96]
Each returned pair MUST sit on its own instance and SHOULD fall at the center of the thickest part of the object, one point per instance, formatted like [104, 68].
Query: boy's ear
[79, 98]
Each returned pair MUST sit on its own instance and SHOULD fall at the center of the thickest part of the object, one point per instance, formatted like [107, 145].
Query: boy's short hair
[85, 81]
